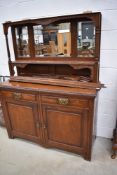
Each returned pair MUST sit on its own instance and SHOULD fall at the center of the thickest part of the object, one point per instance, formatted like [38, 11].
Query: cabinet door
[22, 118]
[66, 128]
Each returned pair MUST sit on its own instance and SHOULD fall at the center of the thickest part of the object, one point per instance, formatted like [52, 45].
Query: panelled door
[66, 128]
[23, 119]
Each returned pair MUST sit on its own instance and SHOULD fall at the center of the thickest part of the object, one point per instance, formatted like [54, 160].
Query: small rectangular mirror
[22, 41]
[86, 39]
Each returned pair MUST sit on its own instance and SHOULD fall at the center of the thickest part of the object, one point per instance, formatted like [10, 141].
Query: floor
[20, 157]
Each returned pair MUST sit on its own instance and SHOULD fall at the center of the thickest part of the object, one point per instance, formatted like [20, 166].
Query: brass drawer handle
[63, 101]
[17, 96]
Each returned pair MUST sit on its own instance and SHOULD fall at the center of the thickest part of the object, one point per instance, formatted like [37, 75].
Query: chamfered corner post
[11, 67]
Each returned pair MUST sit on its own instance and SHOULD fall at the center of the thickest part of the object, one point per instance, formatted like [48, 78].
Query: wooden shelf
[23, 63]
[57, 81]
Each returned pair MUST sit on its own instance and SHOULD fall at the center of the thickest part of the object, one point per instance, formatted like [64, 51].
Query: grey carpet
[20, 157]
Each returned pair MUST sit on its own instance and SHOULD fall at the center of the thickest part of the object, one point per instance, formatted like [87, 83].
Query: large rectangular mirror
[52, 40]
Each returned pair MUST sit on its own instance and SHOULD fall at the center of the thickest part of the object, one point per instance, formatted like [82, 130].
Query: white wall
[18, 9]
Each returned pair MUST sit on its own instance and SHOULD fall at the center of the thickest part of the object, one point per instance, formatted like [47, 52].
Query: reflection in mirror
[22, 41]
[52, 40]
[86, 39]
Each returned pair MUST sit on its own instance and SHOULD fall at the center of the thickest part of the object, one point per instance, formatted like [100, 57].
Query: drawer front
[19, 96]
[64, 101]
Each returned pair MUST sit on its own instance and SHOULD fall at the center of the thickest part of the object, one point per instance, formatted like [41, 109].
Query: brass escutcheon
[17, 96]
[63, 101]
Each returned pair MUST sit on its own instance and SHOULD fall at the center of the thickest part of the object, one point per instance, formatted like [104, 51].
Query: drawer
[65, 101]
[19, 95]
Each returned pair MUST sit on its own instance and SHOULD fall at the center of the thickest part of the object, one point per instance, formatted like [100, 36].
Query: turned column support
[11, 67]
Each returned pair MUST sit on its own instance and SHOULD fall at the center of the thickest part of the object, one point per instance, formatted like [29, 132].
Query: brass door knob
[38, 125]
[44, 126]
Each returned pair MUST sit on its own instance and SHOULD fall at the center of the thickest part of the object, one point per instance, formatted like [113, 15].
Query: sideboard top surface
[47, 88]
